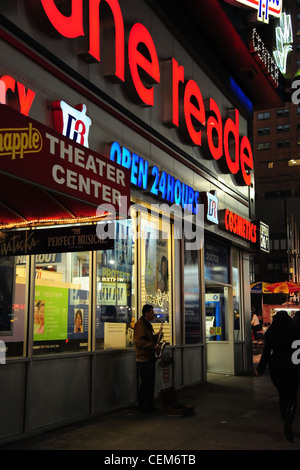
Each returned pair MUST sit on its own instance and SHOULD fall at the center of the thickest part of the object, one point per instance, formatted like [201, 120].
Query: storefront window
[236, 295]
[114, 284]
[216, 315]
[216, 273]
[192, 312]
[156, 269]
[61, 303]
[12, 306]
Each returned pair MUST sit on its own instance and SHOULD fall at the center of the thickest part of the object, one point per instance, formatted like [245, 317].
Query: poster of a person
[78, 321]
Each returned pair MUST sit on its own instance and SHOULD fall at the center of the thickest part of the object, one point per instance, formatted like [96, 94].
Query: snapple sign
[201, 121]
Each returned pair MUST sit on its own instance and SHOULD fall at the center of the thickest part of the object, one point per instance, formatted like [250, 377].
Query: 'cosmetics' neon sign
[238, 225]
[199, 121]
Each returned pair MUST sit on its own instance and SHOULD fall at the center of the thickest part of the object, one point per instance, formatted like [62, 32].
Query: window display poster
[78, 313]
[156, 265]
[60, 313]
[50, 313]
[156, 274]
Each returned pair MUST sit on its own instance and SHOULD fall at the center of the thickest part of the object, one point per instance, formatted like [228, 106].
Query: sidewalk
[231, 413]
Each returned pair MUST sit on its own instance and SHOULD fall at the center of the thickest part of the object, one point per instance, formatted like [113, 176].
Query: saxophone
[160, 343]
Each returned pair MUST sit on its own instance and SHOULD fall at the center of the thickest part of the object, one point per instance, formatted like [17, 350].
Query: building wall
[94, 380]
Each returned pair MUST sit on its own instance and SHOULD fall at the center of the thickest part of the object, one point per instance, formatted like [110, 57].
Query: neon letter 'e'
[140, 34]
[214, 125]
[246, 159]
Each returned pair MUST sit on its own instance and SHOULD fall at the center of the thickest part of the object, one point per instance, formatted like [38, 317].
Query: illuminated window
[265, 115]
[114, 313]
[270, 165]
[263, 146]
[156, 268]
[294, 162]
[62, 303]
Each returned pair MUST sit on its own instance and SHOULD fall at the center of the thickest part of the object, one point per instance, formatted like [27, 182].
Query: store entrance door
[218, 329]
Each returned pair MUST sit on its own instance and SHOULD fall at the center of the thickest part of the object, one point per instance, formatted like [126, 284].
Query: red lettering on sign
[25, 98]
[177, 77]
[232, 128]
[214, 127]
[246, 159]
[194, 113]
[68, 26]
[94, 25]
[145, 72]
[237, 225]
[149, 68]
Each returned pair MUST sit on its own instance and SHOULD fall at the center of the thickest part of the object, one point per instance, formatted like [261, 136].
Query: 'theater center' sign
[38, 154]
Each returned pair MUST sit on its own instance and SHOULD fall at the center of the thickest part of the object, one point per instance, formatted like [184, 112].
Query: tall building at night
[276, 148]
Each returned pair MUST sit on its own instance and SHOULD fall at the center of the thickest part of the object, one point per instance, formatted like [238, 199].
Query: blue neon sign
[160, 183]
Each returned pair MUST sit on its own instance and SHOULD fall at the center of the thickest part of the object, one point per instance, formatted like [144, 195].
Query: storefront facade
[126, 178]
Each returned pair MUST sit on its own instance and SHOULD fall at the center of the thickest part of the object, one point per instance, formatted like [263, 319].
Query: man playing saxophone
[145, 342]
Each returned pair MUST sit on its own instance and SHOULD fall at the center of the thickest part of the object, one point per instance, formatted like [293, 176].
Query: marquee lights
[222, 140]
[54, 221]
[264, 58]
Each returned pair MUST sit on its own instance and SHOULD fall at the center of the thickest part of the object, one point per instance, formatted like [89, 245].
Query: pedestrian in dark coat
[277, 353]
[145, 345]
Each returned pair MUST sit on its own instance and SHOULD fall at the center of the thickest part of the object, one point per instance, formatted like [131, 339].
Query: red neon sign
[234, 153]
[139, 34]
[193, 112]
[94, 34]
[68, 26]
[237, 225]
[25, 97]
